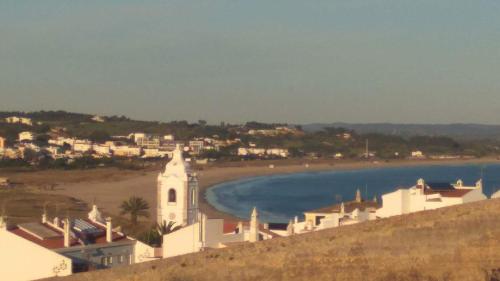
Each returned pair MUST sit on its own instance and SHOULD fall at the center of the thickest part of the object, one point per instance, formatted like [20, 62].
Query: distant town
[58, 139]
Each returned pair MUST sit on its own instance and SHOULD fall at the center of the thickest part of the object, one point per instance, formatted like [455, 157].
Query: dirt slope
[456, 243]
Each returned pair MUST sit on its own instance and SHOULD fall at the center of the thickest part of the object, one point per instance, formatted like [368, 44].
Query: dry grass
[457, 243]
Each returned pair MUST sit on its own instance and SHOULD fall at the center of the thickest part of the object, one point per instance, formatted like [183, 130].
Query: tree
[136, 207]
[99, 136]
[166, 228]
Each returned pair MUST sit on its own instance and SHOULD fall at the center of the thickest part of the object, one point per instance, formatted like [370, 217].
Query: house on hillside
[427, 196]
[26, 136]
[345, 213]
[19, 120]
[59, 248]
[2, 143]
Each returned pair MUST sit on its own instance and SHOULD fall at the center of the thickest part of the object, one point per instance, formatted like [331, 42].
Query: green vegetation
[136, 207]
[323, 143]
[154, 235]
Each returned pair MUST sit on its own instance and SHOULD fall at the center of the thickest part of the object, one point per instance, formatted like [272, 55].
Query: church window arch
[172, 196]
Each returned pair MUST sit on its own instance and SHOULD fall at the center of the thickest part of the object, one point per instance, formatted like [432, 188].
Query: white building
[19, 120]
[136, 137]
[428, 196]
[495, 195]
[26, 136]
[102, 149]
[177, 192]
[417, 154]
[127, 151]
[2, 143]
[82, 145]
[214, 233]
[59, 248]
[178, 203]
[345, 213]
[168, 137]
[280, 152]
[97, 119]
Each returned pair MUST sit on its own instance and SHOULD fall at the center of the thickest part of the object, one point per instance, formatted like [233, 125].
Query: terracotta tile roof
[448, 193]
[58, 241]
[348, 207]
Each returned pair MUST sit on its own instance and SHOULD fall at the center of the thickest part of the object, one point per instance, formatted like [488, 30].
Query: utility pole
[367, 154]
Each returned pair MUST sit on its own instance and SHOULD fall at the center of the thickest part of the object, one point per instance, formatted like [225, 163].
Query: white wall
[393, 204]
[179, 208]
[183, 241]
[21, 259]
[143, 252]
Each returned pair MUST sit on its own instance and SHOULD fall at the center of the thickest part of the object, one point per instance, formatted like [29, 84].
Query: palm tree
[136, 207]
[166, 228]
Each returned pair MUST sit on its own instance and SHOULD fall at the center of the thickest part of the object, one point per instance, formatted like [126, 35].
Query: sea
[280, 198]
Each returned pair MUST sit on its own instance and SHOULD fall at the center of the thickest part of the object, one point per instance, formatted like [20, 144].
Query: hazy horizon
[300, 62]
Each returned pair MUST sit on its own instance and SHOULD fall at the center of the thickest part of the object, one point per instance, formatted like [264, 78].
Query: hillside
[457, 131]
[456, 243]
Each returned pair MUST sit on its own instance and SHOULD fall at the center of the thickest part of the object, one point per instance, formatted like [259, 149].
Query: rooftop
[83, 232]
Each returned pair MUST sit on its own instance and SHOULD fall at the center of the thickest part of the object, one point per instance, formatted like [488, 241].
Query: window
[104, 261]
[110, 260]
[121, 258]
[172, 196]
[318, 219]
[193, 198]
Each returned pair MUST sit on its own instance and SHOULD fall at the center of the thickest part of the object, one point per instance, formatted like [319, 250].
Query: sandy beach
[108, 187]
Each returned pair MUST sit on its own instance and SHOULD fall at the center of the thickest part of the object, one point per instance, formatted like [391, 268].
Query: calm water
[281, 197]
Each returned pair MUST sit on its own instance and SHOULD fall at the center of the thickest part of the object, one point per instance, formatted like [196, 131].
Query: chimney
[56, 222]
[358, 196]
[289, 228]
[254, 226]
[109, 230]
[240, 227]
[66, 233]
[44, 217]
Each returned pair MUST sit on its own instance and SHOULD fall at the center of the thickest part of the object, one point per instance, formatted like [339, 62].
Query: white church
[178, 202]
[177, 192]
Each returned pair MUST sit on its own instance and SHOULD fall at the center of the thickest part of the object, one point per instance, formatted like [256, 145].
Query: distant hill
[454, 243]
[457, 131]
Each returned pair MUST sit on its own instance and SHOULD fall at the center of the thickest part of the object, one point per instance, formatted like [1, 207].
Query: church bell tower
[177, 192]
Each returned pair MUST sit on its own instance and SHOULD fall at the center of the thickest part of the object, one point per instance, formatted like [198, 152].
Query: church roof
[177, 166]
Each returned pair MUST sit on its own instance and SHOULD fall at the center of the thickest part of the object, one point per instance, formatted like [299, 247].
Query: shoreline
[218, 175]
[109, 187]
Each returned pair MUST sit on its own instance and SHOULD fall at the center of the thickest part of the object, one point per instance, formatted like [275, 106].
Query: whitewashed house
[127, 151]
[19, 120]
[428, 196]
[26, 136]
[81, 145]
[59, 248]
[345, 213]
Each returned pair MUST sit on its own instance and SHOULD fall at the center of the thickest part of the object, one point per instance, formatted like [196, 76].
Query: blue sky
[283, 61]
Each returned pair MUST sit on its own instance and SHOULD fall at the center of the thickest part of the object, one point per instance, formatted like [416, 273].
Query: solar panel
[38, 230]
[84, 226]
[440, 186]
